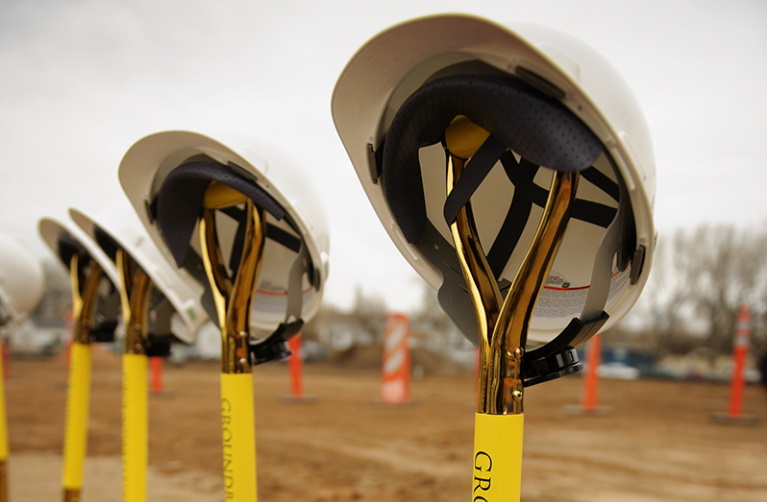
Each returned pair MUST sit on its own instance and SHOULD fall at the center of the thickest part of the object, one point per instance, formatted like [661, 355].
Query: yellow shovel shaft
[239, 437]
[78, 404]
[135, 429]
[497, 473]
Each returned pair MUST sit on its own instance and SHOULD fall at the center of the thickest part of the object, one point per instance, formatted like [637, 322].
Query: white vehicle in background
[617, 370]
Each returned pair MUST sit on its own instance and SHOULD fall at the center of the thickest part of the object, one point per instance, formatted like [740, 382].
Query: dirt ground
[656, 443]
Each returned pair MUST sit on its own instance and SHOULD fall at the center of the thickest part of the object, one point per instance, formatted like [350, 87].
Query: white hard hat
[165, 176]
[65, 239]
[21, 279]
[550, 103]
[118, 227]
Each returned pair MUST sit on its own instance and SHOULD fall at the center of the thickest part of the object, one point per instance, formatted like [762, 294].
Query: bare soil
[656, 442]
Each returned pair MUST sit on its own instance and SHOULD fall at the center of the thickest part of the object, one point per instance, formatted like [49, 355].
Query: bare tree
[700, 278]
[725, 272]
[665, 305]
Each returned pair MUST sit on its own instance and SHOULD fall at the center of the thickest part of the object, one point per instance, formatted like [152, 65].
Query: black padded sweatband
[536, 126]
[179, 201]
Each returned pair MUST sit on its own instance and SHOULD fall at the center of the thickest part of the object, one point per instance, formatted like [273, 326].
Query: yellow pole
[135, 286]
[135, 427]
[3, 439]
[238, 436]
[497, 469]
[501, 324]
[76, 431]
[233, 300]
[84, 280]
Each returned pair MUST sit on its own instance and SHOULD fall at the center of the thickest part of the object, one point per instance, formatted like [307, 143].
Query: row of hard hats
[165, 176]
[542, 101]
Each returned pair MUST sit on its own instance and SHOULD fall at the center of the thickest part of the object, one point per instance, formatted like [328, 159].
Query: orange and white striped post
[395, 388]
[737, 380]
[739, 356]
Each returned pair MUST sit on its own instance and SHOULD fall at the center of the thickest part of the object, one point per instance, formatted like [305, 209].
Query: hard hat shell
[387, 74]
[119, 226]
[21, 276]
[54, 232]
[146, 168]
[61, 236]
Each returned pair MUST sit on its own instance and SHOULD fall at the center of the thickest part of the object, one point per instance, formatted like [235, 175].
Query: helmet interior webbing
[540, 131]
[601, 273]
[528, 122]
[159, 330]
[526, 193]
[474, 174]
[516, 217]
[179, 201]
[273, 233]
[301, 263]
[103, 330]
[66, 246]
[583, 209]
[176, 210]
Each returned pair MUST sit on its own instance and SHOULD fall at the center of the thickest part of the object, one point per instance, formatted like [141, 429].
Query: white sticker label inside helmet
[559, 299]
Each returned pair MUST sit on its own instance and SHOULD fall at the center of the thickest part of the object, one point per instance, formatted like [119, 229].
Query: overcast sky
[81, 81]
